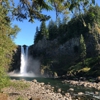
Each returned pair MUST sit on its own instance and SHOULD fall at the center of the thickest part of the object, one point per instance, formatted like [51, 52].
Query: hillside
[71, 49]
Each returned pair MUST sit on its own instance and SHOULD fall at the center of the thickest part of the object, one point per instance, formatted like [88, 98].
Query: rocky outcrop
[54, 49]
[69, 48]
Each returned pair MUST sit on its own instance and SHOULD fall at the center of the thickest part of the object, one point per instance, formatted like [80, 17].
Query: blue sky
[26, 35]
[28, 29]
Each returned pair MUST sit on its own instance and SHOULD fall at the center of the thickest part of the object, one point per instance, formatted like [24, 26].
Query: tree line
[81, 26]
[29, 10]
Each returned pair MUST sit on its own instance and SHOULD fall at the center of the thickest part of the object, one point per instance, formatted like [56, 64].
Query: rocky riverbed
[35, 91]
[95, 94]
[83, 83]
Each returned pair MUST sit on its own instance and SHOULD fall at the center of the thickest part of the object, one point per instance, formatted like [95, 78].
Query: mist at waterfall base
[29, 66]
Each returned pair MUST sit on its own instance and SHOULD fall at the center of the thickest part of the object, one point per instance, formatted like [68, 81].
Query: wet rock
[80, 93]
[59, 90]
[71, 89]
[96, 93]
[35, 81]
[42, 84]
[98, 79]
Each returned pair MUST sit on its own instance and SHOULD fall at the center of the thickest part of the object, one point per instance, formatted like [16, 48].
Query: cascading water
[24, 59]
[29, 67]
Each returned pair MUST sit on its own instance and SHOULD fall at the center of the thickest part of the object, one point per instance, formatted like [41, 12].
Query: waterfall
[29, 67]
[24, 60]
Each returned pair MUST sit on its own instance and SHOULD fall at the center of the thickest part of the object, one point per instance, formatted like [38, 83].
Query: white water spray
[24, 60]
[29, 67]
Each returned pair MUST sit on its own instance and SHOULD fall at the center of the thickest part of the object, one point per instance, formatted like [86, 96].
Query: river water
[89, 93]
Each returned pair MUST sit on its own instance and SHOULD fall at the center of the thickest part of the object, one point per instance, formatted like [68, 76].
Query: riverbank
[85, 84]
[33, 90]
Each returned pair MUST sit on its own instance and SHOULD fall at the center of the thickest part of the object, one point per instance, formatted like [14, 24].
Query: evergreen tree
[31, 9]
[42, 33]
[7, 33]
[36, 37]
[64, 6]
[65, 20]
[58, 22]
[53, 30]
[44, 30]
[82, 48]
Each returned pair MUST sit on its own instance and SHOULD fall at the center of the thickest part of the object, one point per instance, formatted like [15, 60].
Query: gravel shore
[35, 91]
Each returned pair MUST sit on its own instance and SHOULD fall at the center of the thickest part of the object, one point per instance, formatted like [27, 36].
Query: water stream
[24, 60]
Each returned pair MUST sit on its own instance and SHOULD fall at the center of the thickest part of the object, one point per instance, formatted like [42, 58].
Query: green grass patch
[85, 69]
[19, 85]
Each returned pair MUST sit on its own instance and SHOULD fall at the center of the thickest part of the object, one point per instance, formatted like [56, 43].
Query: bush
[4, 79]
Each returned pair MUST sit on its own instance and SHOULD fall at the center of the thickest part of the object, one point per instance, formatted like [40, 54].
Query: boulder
[98, 79]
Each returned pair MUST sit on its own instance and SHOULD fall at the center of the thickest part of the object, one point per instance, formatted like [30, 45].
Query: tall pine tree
[53, 30]
[44, 30]
[7, 33]
[82, 48]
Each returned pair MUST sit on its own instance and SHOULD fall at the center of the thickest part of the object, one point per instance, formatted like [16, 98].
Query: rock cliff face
[69, 48]
[52, 48]
[50, 52]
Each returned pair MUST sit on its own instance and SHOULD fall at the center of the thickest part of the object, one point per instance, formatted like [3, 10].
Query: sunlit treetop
[32, 9]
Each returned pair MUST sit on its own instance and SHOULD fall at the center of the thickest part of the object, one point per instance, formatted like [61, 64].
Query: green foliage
[20, 85]
[38, 35]
[85, 69]
[64, 7]
[31, 9]
[4, 80]
[65, 31]
[43, 30]
[82, 48]
[89, 68]
[7, 33]
[42, 33]
[93, 15]
[83, 25]
[53, 30]
[59, 7]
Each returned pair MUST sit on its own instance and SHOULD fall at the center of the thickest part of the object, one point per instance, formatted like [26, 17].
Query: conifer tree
[44, 30]
[32, 9]
[53, 30]
[7, 33]
[82, 48]
[42, 33]
[36, 37]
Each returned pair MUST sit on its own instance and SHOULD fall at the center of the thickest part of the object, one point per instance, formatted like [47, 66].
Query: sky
[28, 29]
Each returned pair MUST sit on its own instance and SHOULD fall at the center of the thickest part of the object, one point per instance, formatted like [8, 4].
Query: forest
[86, 24]
[67, 50]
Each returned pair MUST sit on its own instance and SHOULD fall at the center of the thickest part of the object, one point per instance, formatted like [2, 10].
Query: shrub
[4, 79]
